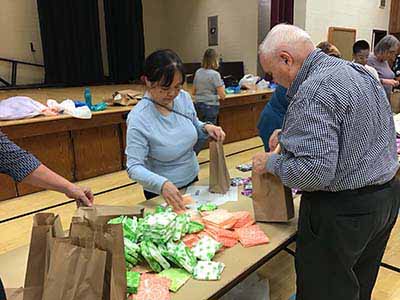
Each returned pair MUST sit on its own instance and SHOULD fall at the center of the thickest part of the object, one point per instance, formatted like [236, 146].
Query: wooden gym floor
[118, 189]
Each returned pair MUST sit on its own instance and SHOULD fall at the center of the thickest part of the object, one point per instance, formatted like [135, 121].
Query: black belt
[359, 191]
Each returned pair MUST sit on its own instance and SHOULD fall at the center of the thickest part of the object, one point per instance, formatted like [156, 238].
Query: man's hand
[82, 195]
[260, 162]
[273, 140]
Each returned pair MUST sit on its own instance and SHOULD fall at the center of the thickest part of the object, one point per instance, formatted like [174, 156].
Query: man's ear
[286, 58]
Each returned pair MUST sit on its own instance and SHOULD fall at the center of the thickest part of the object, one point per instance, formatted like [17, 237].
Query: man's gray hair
[284, 36]
[386, 44]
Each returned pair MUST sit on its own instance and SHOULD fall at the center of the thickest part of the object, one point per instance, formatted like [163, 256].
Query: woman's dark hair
[360, 46]
[161, 65]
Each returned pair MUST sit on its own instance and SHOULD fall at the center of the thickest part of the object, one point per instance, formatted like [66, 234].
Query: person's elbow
[132, 168]
[309, 175]
[318, 178]
[221, 92]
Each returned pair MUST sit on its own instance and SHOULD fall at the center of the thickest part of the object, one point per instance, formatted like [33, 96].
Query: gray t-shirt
[206, 82]
[384, 71]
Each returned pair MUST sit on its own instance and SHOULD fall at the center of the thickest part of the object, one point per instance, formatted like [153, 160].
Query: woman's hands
[172, 196]
[215, 132]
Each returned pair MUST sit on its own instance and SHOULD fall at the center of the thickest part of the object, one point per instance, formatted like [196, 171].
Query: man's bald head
[283, 51]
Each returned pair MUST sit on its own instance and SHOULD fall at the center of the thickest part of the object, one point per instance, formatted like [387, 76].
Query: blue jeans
[205, 113]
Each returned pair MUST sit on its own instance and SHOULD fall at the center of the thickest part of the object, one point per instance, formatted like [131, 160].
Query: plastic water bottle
[88, 97]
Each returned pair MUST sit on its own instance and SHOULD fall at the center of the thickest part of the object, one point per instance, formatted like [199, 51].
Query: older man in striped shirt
[338, 146]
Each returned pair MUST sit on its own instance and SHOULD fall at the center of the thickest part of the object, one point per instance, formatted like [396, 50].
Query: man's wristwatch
[204, 127]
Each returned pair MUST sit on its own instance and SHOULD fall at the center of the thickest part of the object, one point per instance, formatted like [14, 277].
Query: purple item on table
[247, 187]
[238, 181]
[244, 167]
[247, 193]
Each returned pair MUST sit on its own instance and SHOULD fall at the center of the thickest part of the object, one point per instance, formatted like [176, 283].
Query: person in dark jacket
[271, 117]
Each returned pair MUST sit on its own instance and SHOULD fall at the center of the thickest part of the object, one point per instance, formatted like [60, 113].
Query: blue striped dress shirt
[15, 161]
[338, 133]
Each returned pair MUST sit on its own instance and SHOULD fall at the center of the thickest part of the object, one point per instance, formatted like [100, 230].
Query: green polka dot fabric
[156, 255]
[208, 270]
[178, 278]
[159, 227]
[206, 248]
[129, 226]
[132, 282]
[180, 255]
[207, 207]
[181, 226]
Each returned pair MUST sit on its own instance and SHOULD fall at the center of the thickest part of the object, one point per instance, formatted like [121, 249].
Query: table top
[239, 261]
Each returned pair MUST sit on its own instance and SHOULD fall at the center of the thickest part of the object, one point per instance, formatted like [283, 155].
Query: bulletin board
[343, 39]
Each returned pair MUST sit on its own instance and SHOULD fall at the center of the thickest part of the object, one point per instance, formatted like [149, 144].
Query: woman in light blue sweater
[162, 130]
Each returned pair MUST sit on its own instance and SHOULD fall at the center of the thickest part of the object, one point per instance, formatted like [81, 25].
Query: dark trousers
[149, 195]
[205, 113]
[2, 292]
[341, 241]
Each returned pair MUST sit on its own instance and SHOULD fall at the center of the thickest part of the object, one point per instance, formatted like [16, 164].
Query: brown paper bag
[45, 226]
[21, 293]
[108, 238]
[101, 214]
[219, 175]
[272, 201]
[126, 97]
[75, 273]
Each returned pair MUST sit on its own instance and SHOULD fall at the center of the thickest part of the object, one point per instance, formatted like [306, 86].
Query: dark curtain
[125, 38]
[281, 12]
[71, 41]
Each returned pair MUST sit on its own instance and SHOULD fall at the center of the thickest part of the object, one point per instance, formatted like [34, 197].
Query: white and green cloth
[159, 227]
[178, 278]
[180, 255]
[206, 248]
[181, 226]
[208, 270]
